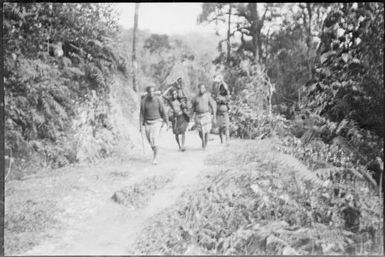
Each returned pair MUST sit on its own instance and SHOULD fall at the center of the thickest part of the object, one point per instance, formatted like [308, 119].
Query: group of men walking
[203, 109]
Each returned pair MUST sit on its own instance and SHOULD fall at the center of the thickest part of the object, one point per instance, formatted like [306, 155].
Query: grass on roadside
[24, 223]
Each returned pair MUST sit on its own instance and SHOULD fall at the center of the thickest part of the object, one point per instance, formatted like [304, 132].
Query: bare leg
[155, 151]
[221, 135]
[183, 140]
[177, 140]
[206, 139]
[201, 136]
[227, 135]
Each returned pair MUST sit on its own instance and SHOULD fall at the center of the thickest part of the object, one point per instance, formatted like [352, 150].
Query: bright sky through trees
[163, 18]
[174, 18]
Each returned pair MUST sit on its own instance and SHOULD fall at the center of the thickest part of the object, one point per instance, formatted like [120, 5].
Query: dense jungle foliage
[322, 59]
[58, 57]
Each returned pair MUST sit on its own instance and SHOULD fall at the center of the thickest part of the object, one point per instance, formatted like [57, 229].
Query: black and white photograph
[187, 128]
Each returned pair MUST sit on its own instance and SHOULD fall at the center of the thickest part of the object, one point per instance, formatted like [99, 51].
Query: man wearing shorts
[201, 106]
[152, 115]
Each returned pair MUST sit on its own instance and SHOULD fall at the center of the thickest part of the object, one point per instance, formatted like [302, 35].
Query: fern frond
[327, 171]
[109, 51]
[37, 117]
[276, 244]
[46, 107]
[57, 107]
[327, 234]
[60, 93]
[97, 75]
[353, 129]
[300, 170]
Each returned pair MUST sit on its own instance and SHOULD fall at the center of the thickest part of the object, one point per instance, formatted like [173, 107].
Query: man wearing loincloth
[222, 97]
[152, 115]
[201, 106]
[179, 119]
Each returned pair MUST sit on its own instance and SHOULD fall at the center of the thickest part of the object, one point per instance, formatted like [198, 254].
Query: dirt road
[93, 224]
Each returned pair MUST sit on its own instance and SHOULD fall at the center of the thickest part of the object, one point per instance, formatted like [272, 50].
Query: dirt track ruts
[96, 225]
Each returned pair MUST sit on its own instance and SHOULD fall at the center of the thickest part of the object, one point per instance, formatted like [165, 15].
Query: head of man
[174, 94]
[150, 91]
[218, 79]
[202, 89]
[179, 82]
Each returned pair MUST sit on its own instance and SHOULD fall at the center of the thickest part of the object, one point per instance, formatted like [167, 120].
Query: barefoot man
[179, 120]
[201, 106]
[152, 114]
[222, 98]
[181, 96]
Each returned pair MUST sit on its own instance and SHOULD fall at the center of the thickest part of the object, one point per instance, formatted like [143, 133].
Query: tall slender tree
[311, 14]
[134, 62]
[215, 13]
[228, 36]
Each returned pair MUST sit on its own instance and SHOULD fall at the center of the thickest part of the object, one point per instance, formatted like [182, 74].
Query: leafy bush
[338, 143]
[58, 62]
[248, 124]
[349, 72]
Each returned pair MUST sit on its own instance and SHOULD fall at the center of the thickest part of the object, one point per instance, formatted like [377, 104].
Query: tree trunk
[271, 90]
[259, 44]
[309, 40]
[254, 22]
[228, 37]
[134, 62]
[256, 27]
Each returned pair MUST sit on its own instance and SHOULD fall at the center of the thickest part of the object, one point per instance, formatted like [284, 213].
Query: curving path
[95, 225]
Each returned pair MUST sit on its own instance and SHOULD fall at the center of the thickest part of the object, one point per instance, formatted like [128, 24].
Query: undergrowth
[261, 201]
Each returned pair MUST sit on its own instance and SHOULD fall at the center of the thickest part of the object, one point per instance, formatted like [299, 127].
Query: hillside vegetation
[68, 82]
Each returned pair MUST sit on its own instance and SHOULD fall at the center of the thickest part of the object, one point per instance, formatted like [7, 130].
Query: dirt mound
[137, 195]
